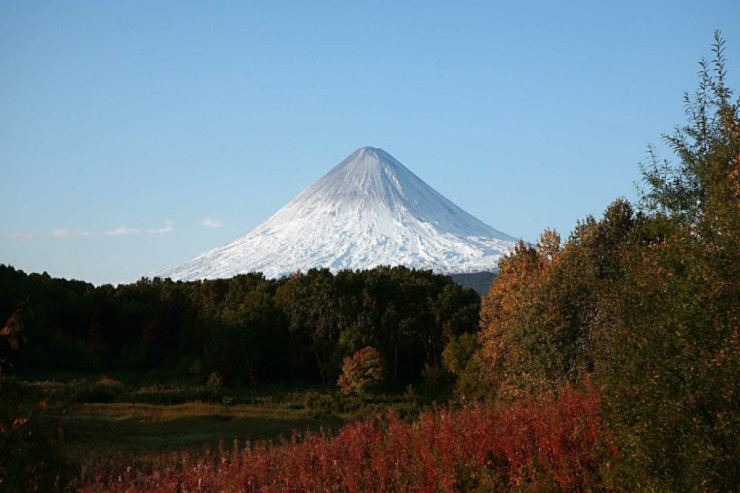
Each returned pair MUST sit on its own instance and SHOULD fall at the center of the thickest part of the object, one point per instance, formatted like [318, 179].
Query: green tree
[669, 340]
[309, 302]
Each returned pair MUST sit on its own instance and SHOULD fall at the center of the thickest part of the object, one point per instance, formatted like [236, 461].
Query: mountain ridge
[366, 211]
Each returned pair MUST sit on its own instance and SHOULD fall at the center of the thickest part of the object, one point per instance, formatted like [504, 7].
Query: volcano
[369, 210]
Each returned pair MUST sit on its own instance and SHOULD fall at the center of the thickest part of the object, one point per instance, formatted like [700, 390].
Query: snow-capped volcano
[369, 210]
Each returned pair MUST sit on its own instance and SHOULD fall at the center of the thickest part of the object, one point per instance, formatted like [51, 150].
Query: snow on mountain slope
[369, 210]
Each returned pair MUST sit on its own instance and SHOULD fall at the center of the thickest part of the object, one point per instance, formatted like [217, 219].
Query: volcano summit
[369, 210]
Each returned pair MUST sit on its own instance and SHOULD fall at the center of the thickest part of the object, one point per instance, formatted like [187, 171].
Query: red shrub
[555, 443]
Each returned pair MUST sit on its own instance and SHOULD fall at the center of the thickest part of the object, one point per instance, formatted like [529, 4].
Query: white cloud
[57, 233]
[167, 228]
[210, 223]
[123, 230]
[21, 236]
[65, 233]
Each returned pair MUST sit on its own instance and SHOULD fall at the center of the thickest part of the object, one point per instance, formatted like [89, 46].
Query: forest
[247, 329]
[605, 361]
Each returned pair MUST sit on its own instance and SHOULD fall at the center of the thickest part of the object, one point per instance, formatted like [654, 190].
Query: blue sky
[136, 135]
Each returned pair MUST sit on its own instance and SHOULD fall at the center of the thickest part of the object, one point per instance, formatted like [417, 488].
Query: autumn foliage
[646, 301]
[555, 443]
[361, 371]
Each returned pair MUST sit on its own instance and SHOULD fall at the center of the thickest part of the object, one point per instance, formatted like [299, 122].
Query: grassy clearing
[155, 413]
[102, 418]
[125, 428]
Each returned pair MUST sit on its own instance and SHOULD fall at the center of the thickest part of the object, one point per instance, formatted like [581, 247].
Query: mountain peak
[370, 150]
[369, 156]
[368, 210]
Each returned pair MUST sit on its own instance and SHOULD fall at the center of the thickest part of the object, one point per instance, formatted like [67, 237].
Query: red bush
[551, 444]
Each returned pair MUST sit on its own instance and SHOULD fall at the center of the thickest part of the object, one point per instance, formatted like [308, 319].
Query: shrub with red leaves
[555, 443]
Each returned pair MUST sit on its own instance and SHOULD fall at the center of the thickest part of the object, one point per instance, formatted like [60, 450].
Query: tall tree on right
[644, 304]
[669, 336]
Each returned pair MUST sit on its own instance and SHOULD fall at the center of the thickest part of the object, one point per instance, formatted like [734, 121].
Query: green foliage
[361, 372]
[703, 188]
[459, 351]
[248, 329]
[437, 384]
[459, 359]
[469, 385]
[671, 356]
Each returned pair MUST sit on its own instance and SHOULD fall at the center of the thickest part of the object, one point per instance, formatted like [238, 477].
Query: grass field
[95, 431]
[105, 429]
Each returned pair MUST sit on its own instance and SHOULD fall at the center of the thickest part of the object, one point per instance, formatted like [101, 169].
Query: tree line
[248, 329]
